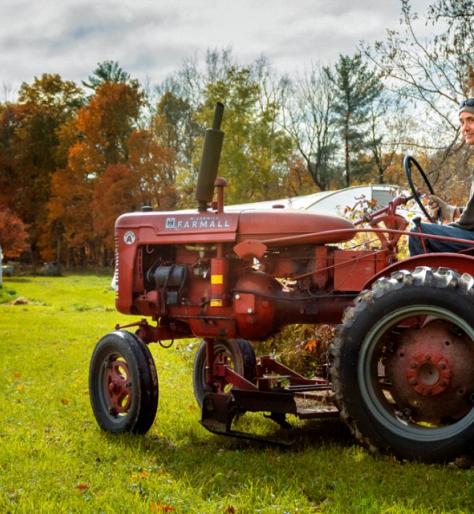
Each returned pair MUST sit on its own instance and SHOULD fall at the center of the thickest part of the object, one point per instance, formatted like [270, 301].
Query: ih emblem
[129, 237]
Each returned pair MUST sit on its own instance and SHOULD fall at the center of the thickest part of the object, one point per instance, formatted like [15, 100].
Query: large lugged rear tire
[123, 384]
[402, 365]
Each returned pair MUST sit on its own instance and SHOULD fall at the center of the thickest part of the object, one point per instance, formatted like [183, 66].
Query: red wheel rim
[117, 385]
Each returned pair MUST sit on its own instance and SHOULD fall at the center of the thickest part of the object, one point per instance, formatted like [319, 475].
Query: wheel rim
[116, 386]
[411, 405]
[222, 355]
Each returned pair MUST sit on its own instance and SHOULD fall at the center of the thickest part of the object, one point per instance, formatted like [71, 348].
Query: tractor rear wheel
[402, 365]
[237, 353]
[123, 384]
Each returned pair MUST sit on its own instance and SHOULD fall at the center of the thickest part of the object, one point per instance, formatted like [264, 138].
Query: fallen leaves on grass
[140, 475]
[159, 507]
[82, 486]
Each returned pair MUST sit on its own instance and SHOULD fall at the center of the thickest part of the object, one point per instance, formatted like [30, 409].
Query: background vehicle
[401, 363]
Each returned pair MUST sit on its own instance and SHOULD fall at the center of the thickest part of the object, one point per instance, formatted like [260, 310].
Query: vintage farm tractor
[401, 367]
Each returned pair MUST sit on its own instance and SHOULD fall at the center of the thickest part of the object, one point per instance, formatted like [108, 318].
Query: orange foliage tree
[115, 192]
[147, 179]
[153, 163]
[97, 139]
[70, 218]
[105, 125]
[112, 167]
[29, 147]
[13, 234]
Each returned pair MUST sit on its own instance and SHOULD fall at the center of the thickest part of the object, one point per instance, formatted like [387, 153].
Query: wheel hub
[430, 371]
[118, 387]
[429, 374]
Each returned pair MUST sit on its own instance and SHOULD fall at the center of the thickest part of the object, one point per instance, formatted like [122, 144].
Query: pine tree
[356, 87]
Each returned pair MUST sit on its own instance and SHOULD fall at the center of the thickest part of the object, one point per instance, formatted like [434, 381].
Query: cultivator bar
[277, 390]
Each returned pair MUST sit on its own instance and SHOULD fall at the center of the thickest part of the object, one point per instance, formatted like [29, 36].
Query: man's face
[467, 127]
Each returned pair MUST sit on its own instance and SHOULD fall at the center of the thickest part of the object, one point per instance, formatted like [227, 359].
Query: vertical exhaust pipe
[211, 154]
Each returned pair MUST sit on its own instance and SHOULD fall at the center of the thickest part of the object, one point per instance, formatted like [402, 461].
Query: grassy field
[53, 457]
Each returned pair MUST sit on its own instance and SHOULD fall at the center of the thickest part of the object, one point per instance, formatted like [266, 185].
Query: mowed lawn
[54, 458]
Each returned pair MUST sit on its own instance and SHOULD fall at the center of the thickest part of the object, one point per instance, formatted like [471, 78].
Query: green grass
[53, 457]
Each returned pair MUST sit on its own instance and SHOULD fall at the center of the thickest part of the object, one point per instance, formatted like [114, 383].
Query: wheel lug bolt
[412, 381]
[427, 357]
[414, 365]
[442, 365]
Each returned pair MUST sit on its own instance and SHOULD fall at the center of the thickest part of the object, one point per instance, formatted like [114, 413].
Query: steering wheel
[407, 164]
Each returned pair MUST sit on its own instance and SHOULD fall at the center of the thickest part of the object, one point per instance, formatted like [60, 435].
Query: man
[463, 228]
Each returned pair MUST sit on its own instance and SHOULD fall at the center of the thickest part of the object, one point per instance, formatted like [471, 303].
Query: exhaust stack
[211, 154]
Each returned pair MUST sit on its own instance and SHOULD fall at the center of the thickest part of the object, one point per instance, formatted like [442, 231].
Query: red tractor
[401, 364]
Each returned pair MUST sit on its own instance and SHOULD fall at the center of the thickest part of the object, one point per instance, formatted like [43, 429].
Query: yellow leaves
[311, 345]
[20, 388]
[159, 507]
[140, 475]
[143, 474]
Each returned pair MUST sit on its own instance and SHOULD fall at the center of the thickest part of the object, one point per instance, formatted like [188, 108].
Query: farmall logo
[196, 223]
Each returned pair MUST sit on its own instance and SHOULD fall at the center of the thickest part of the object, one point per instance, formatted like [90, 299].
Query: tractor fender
[458, 262]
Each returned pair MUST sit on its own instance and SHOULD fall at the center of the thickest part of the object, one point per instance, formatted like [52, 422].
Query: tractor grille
[115, 283]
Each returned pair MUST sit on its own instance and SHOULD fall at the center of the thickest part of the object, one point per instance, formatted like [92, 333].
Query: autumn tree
[154, 166]
[70, 218]
[115, 192]
[13, 234]
[105, 125]
[12, 118]
[97, 139]
[29, 145]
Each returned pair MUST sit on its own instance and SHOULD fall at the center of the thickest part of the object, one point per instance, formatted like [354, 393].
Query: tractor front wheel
[237, 353]
[123, 384]
[402, 365]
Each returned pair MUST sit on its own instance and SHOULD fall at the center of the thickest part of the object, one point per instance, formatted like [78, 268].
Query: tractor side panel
[352, 269]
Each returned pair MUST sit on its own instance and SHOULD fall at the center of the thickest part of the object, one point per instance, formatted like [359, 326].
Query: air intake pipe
[211, 154]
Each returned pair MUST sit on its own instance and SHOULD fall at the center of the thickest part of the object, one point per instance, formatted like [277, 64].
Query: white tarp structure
[332, 202]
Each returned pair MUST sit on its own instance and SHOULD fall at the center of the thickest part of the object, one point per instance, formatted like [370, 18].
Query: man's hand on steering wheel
[440, 210]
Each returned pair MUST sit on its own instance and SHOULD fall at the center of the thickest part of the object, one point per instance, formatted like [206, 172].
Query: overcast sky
[150, 38]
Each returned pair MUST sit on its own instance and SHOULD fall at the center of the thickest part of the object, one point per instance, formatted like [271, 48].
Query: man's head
[466, 118]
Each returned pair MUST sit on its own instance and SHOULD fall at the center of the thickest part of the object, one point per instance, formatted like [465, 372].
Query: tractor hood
[199, 227]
